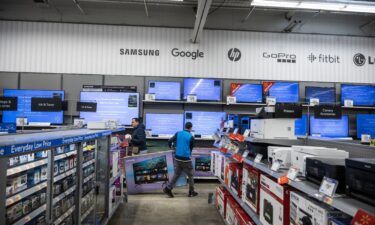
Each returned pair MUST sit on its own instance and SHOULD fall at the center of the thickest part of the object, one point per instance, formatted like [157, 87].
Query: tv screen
[284, 92]
[119, 106]
[204, 89]
[362, 95]
[324, 94]
[247, 92]
[151, 171]
[300, 126]
[366, 125]
[164, 124]
[24, 106]
[165, 90]
[329, 127]
[205, 123]
[203, 163]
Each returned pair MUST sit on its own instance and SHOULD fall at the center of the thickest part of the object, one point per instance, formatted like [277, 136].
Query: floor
[157, 209]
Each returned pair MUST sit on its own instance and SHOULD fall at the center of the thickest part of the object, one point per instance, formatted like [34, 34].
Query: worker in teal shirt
[184, 142]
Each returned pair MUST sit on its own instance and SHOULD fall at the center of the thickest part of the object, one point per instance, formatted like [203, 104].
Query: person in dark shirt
[184, 142]
[138, 137]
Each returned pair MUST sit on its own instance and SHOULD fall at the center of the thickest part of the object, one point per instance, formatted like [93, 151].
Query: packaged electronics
[274, 202]
[318, 168]
[235, 178]
[227, 163]
[232, 205]
[306, 211]
[360, 179]
[242, 218]
[340, 221]
[282, 154]
[43, 173]
[14, 212]
[272, 128]
[213, 162]
[221, 200]
[250, 187]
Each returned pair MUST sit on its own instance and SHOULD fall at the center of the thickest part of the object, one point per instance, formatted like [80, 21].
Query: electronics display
[362, 95]
[272, 128]
[366, 125]
[232, 205]
[164, 124]
[242, 218]
[235, 178]
[247, 92]
[165, 90]
[283, 154]
[204, 89]
[329, 127]
[324, 94]
[300, 126]
[202, 165]
[284, 92]
[250, 187]
[222, 196]
[119, 106]
[24, 106]
[204, 123]
[151, 171]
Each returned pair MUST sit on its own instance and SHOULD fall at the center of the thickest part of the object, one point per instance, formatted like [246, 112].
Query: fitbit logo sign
[322, 58]
[234, 54]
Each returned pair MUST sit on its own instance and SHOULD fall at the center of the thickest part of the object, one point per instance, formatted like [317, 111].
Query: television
[362, 95]
[329, 127]
[324, 94]
[366, 125]
[164, 124]
[300, 126]
[205, 123]
[24, 106]
[121, 106]
[247, 92]
[165, 90]
[204, 89]
[149, 171]
[284, 92]
[202, 163]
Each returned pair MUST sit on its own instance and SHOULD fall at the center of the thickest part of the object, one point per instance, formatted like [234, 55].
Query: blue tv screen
[324, 94]
[165, 90]
[204, 89]
[24, 106]
[284, 92]
[300, 126]
[362, 95]
[164, 124]
[205, 123]
[119, 106]
[366, 125]
[247, 92]
[330, 127]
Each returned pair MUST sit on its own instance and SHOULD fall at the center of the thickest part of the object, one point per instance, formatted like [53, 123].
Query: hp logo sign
[234, 54]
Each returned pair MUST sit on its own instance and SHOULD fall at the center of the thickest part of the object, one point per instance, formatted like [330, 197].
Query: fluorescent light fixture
[309, 5]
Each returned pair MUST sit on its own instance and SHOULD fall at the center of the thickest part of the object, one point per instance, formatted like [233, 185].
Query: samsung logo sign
[141, 52]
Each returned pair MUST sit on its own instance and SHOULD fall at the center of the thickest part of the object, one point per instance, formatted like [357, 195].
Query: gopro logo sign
[234, 54]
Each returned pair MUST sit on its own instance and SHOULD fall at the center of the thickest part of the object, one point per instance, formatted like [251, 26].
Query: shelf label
[363, 218]
[46, 105]
[271, 101]
[246, 133]
[191, 98]
[231, 100]
[8, 103]
[327, 112]
[150, 97]
[86, 106]
[314, 101]
[245, 154]
[258, 158]
[328, 186]
[348, 103]
[276, 165]
[292, 173]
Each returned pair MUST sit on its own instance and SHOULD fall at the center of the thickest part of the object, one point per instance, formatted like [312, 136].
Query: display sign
[327, 112]
[348, 103]
[328, 186]
[8, 127]
[292, 173]
[314, 101]
[86, 106]
[46, 104]
[258, 158]
[150, 97]
[271, 101]
[286, 110]
[276, 165]
[8, 103]
[231, 100]
[191, 98]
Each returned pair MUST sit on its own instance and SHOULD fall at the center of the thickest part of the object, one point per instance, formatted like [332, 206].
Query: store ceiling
[222, 14]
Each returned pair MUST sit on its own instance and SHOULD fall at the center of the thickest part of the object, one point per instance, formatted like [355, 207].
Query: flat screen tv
[300, 126]
[205, 123]
[165, 90]
[203, 163]
[329, 127]
[24, 106]
[164, 124]
[119, 106]
[151, 171]
[204, 89]
[362, 95]
[366, 125]
[324, 94]
[284, 92]
[246, 92]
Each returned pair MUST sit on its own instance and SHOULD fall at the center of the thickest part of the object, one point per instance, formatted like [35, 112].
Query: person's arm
[139, 137]
[172, 140]
[191, 143]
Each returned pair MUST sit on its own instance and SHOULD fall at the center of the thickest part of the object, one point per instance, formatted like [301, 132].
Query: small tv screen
[24, 106]
[164, 124]
[165, 90]
[329, 127]
[151, 171]
[366, 125]
[284, 92]
[362, 95]
[204, 89]
[247, 92]
[300, 126]
[324, 94]
[203, 163]
[205, 123]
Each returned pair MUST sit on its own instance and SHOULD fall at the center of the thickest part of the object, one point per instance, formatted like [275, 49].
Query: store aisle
[155, 209]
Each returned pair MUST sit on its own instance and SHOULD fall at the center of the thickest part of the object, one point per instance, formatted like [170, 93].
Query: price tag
[235, 131]
[150, 97]
[276, 165]
[292, 173]
[231, 100]
[245, 154]
[314, 101]
[148, 133]
[365, 138]
[246, 133]
[191, 98]
[348, 103]
[258, 158]
[271, 101]
[328, 186]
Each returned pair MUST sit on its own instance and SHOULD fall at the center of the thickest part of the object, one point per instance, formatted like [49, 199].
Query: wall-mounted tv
[246, 92]
[284, 92]
[324, 94]
[165, 90]
[205, 123]
[329, 127]
[204, 89]
[24, 106]
[119, 106]
[300, 126]
[366, 125]
[164, 124]
[362, 95]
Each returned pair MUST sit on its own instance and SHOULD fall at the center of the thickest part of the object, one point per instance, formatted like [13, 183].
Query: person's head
[188, 126]
[135, 122]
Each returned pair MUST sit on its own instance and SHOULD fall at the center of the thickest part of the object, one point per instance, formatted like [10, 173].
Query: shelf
[183, 102]
[114, 209]
[26, 167]
[24, 194]
[87, 213]
[283, 142]
[346, 107]
[113, 179]
[64, 216]
[246, 208]
[92, 190]
[205, 178]
[89, 178]
[65, 174]
[247, 104]
[88, 163]
[65, 155]
[63, 195]
[31, 215]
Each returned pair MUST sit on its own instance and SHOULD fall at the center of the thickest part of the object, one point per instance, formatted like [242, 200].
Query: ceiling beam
[200, 19]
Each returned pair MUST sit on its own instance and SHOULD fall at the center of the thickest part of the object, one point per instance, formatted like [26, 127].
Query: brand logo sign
[188, 54]
[359, 59]
[140, 52]
[234, 54]
[281, 57]
[323, 58]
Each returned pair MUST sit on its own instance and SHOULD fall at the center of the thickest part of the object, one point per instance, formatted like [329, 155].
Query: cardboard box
[221, 200]
[213, 162]
[235, 178]
[274, 202]
[242, 218]
[227, 163]
[232, 205]
[251, 187]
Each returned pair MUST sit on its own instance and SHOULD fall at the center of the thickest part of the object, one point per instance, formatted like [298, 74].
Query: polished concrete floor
[157, 209]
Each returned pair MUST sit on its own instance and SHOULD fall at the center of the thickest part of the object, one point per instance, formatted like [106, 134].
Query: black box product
[318, 168]
[26, 207]
[360, 179]
[250, 187]
[340, 221]
[61, 166]
[35, 199]
[14, 212]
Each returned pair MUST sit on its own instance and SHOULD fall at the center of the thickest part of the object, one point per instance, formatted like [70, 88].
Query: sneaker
[168, 192]
[192, 194]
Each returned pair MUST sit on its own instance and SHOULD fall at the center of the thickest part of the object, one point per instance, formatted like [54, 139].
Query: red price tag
[363, 218]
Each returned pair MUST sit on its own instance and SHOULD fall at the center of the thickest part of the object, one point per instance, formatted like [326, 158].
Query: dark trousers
[183, 166]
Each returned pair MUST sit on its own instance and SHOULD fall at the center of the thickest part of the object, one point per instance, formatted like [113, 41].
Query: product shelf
[113, 179]
[65, 174]
[26, 193]
[114, 209]
[88, 193]
[26, 167]
[88, 163]
[31, 215]
[205, 178]
[84, 216]
[282, 142]
[63, 195]
[64, 216]
[89, 178]
[184, 102]
[65, 155]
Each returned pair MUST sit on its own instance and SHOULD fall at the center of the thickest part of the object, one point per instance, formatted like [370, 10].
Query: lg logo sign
[234, 54]
[359, 59]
